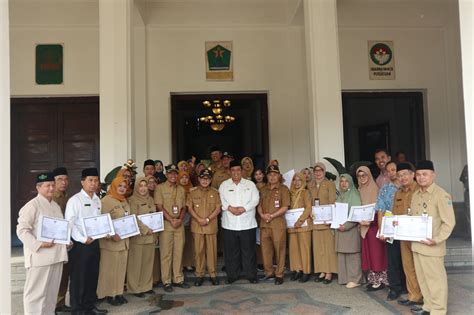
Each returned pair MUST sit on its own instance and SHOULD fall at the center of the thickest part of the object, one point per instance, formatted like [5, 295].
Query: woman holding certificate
[300, 236]
[323, 192]
[347, 238]
[142, 247]
[374, 256]
[114, 250]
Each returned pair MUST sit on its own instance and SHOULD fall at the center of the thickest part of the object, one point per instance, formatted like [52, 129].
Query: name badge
[87, 205]
[175, 210]
[277, 203]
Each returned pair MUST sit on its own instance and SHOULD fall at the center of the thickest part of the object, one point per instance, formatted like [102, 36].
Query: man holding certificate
[432, 200]
[170, 198]
[274, 202]
[84, 255]
[43, 260]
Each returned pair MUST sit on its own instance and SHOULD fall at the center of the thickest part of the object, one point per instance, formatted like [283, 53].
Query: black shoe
[189, 269]
[168, 288]
[278, 281]
[223, 268]
[182, 285]
[198, 282]
[97, 310]
[63, 309]
[121, 299]
[407, 302]
[319, 279]
[140, 295]
[416, 308]
[392, 295]
[296, 275]
[373, 289]
[420, 312]
[304, 278]
[214, 280]
[260, 267]
[327, 281]
[267, 278]
[253, 281]
[150, 292]
[230, 280]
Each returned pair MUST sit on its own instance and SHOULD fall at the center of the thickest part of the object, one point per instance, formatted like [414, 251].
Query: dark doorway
[246, 136]
[388, 120]
[47, 133]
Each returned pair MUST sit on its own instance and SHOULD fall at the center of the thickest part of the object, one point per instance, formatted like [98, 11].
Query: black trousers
[240, 254]
[84, 274]
[396, 276]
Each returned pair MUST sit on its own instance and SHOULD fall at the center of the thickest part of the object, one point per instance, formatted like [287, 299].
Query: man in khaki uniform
[432, 200]
[223, 173]
[204, 205]
[274, 202]
[170, 198]
[401, 206]
[43, 260]
[61, 197]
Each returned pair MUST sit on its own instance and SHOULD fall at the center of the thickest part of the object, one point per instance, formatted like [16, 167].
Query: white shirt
[80, 206]
[244, 194]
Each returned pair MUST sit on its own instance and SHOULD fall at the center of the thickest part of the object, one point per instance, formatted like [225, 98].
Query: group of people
[231, 206]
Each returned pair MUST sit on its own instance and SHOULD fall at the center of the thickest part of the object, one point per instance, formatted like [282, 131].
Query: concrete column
[115, 83]
[5, 270]
[324, 79]
[466, 17]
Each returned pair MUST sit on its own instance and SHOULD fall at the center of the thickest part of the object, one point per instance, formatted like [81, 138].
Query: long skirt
[112, 269]
[140, 268]
[324, 252]
[300, 251]
[349, 268]
[374, 253]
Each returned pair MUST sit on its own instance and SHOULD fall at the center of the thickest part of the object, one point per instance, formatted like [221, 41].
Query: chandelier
[217, 121]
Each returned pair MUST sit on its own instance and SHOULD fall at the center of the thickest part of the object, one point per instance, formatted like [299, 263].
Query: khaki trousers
[433, 282]
[205, 253]
[63, 286]
[41, 289]
[273, 243]
[413, 288]
[171, 254]
[300, 251]
[140, 267]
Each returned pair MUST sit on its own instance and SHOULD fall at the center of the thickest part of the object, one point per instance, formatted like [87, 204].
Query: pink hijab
[368, 193]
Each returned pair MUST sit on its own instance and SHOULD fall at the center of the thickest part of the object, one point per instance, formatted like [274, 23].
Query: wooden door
[48, 133]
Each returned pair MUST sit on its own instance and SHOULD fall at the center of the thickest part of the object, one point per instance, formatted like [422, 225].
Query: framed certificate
[53, 229]
[341, 210]
[413, 228]
[362, 213]
[126, 226]
[98, 226]
[387, 229]
[291, 216]
[323, 214]
[154, 221]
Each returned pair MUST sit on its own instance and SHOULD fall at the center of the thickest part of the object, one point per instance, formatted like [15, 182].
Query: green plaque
[49, 64]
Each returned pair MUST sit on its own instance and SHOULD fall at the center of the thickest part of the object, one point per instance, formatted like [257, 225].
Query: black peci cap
[149, 162]
[425, 165]
[404, 166]
[60, 171]
[44, 177]
[89, 172]
[234, 163]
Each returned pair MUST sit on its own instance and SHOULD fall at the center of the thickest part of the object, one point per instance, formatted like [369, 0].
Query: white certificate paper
[362, 213]
[99, 226]
[341, 210]
[154, 221]
[291, 216]
[126, 226]
[49, 229]
[413, 228]
[288, 177]
[323, 214]
[387, 229]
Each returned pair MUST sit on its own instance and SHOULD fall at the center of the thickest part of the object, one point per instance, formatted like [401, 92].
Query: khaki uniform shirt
[326, 193]
[203, 201]
[219, 176]
[117, 209]
[61, 199]
[168, 196]
[271, 201]
[139, 208]
[402, 199]
[437, 203]
[304, 202]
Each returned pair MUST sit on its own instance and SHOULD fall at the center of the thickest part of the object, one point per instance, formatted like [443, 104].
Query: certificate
[291, 216]
[341, 210]
[387, 229]
[413, 228]
[323, 214]
[126, 226]
[154, 221]
[49, 229]
[98, 226]
[362, 213]
[288, 177]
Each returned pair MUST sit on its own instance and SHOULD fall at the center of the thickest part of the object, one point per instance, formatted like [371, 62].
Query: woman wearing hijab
[323, 192]
[348, 238]
[374, 256]
[114, 250]
[300, 236]
[188, 253]
[142, 247]
[159, 174]
[247, 167]
[127, 175]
